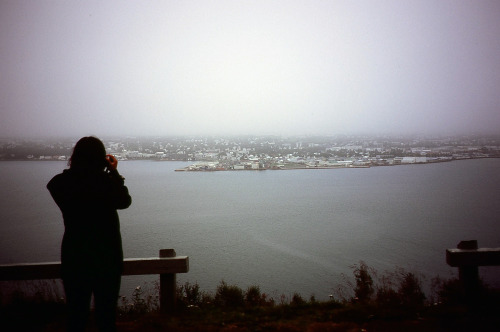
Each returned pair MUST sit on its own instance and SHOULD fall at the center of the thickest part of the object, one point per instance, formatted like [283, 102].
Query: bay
[286, 231]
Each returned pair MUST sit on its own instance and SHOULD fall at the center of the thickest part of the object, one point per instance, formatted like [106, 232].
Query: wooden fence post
[469, 274]
[168, 285]
[468, 257]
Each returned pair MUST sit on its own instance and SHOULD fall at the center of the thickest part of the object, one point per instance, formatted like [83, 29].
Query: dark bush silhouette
[229, 296]
[364, 282]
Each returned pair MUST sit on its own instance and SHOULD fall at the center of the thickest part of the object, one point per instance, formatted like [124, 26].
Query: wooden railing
[468, 257]
[167, 265]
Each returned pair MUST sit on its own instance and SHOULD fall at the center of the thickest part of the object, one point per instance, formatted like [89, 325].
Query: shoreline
[201, 168]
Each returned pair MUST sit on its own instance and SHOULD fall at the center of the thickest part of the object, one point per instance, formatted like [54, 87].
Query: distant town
[268, 152]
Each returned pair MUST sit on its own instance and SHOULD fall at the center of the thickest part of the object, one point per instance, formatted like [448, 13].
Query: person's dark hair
[89, 153]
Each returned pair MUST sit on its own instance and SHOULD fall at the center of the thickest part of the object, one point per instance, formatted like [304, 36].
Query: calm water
[286, 231]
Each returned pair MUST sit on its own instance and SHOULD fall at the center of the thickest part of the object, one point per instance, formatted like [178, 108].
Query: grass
[391, 302]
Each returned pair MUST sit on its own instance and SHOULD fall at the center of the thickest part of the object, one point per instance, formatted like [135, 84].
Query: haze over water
[286, 231]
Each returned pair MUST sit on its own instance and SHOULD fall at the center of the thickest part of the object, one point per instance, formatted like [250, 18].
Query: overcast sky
[249, 67]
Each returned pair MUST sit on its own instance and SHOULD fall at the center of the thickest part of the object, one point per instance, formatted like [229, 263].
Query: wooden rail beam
[30, 271]
[131, 266]
[473, 257]
[167, 266]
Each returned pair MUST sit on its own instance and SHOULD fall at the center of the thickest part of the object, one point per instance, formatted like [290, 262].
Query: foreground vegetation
[391, 302]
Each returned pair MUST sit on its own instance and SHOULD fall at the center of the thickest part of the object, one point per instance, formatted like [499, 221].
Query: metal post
[168, 285]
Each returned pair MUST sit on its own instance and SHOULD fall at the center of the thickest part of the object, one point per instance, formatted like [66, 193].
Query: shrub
[410, 290]
[144, 299]
[386, 295]
[447, 291]
[189, 294]
[399, 288]
[30, 305]
[364, 282]
[139, 303]
[228, 296]
[297, 300]
[253, 296]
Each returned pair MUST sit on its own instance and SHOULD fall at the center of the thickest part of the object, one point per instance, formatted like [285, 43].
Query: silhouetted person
[88, 194]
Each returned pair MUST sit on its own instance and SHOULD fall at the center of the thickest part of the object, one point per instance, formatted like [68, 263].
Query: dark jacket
[88, 201]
